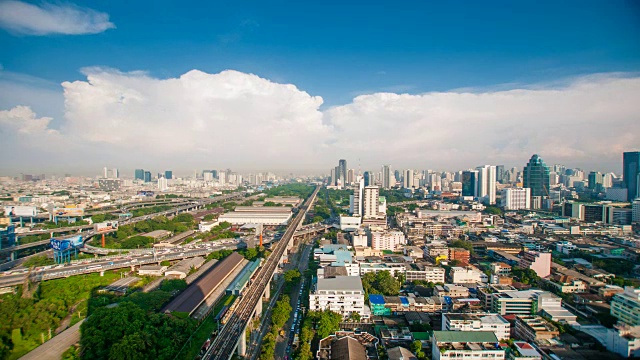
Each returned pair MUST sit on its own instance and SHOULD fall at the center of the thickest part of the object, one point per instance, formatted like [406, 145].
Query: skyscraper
[147, 176]
[368, 178]
[397, 176]
[500, 174]
[631, 172]
[332, 180]
[351, 176]
[386, 177]
[596, 180]
[139, 174]
[370, 203]
[408, 179]
[162, 183]
[168, 174]
[535, 176]
[487, 183]
[470, 183]
[358, 193]
[106, 173]
[342, 164]
[116, 173]
[336, 180]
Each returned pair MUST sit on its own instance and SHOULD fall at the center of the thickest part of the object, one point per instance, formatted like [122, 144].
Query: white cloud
[239, 120]
[27, 19]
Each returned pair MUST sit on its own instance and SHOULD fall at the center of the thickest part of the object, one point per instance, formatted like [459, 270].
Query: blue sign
[64, 244]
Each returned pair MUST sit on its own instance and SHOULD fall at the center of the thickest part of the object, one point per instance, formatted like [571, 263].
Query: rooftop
[465, 336]
[341, 283]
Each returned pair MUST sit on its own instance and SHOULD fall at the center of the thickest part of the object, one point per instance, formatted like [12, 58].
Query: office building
[635, 211]
[351, 176]
[468, 345]
[514, 302]
[477, 322]
[109, 184]
[539, 262]
[147, 176]
[516, 198]
[536, 177]
[596, 180]
[168, 174]
[368, 178]
[631, 172]
[470, 183]
[342, 294]
[500, 174]
[371, 199]
[341, 172]
[139, 174]
[487, 184]
[626, 306]
[388, 240]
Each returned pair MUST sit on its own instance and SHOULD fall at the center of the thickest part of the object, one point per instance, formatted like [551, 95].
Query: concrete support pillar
[267, 291]
[13, 255]
[259, 309]
[242, 343]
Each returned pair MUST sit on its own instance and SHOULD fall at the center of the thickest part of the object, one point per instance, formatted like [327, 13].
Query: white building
[516, 198]
[359, 238]
[487, 184]
[468, 345]
[477, 322]
[624, 340]
[408, 179]
[162, 184]
[371, 201]
[467, 275]
[388, 240]
[356, 198]
[429, 274]
[350, 223]
[343, 294]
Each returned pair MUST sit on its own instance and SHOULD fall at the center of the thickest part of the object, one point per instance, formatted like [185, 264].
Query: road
[225, 343]
[54, 348]
[283, 345]
[89, 266]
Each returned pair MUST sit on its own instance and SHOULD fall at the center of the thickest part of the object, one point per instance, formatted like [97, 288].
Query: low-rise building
[152, 270]
[534, 328]
[388, 240]
[451, 290]
[624, 340]
[539, 262]
[342, 294]
[468, 345]
[428, 273]
[460, 255]
[477, 322]
[523, 351]
[467, 275]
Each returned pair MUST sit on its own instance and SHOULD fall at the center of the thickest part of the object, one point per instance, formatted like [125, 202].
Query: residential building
[342, 294]
[631, 172]
[393, 268]
[451, 290]
[549, 305]
[350, 223]
[624, 340]
[386, 177]
[371, 201]
[523, 351]
[477, 322]
[429, 274]
[516, 198]
[460, 255]
[388, 240]
[408, 179]
[162, 184]
[467, 275]
[534, 328]
[487, 184]
[536, 177]
[468, 345]
[485, 294]
[400, 353]
[357, 198]
[567, 284]
[626, 306]
[539, 262]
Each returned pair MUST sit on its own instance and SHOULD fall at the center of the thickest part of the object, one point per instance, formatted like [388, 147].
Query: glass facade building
[470, 183]
[630, 172]
[139, 174]
[536, 177]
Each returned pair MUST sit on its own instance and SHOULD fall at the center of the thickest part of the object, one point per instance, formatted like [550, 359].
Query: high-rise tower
[535, 176]
[630, 173]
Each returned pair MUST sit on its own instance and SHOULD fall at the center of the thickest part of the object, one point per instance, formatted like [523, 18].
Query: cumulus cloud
[27, 19]
[233, 119]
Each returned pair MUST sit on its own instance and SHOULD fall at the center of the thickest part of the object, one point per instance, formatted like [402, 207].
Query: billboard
[12, 210]
[146, 193]
[105, 226]
[68, 243]
[71, 212]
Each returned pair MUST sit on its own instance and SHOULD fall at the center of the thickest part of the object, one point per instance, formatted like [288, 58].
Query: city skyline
[420, 92]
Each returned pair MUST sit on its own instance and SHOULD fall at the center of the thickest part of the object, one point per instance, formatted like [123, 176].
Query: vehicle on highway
[94, 267]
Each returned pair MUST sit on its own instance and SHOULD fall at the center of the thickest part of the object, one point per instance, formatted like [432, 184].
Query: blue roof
[404, 301]
[448, 300]
[376, 299]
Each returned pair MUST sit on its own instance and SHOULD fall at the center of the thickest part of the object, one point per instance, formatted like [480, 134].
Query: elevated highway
[231, 336]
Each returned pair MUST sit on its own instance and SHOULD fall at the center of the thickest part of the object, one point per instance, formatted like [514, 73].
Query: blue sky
[336, 50]
[330, 49]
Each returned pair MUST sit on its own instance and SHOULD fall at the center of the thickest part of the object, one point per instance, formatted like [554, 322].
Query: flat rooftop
[340, 283]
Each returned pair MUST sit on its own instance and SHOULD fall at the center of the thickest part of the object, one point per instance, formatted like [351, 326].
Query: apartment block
[460, 255]
[429, 274]
[477, 322]
[534, 328]
[388, 240]
[343, 294]
[539, 262]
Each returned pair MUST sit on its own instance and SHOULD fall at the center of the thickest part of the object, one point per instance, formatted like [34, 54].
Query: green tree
[416, 348]
[291, 275]
[328, 323]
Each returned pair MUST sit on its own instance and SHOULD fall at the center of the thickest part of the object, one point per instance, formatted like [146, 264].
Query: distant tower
[536, 177]
[386, 177]
[630, 173]
[115, 173]
[106, 173]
